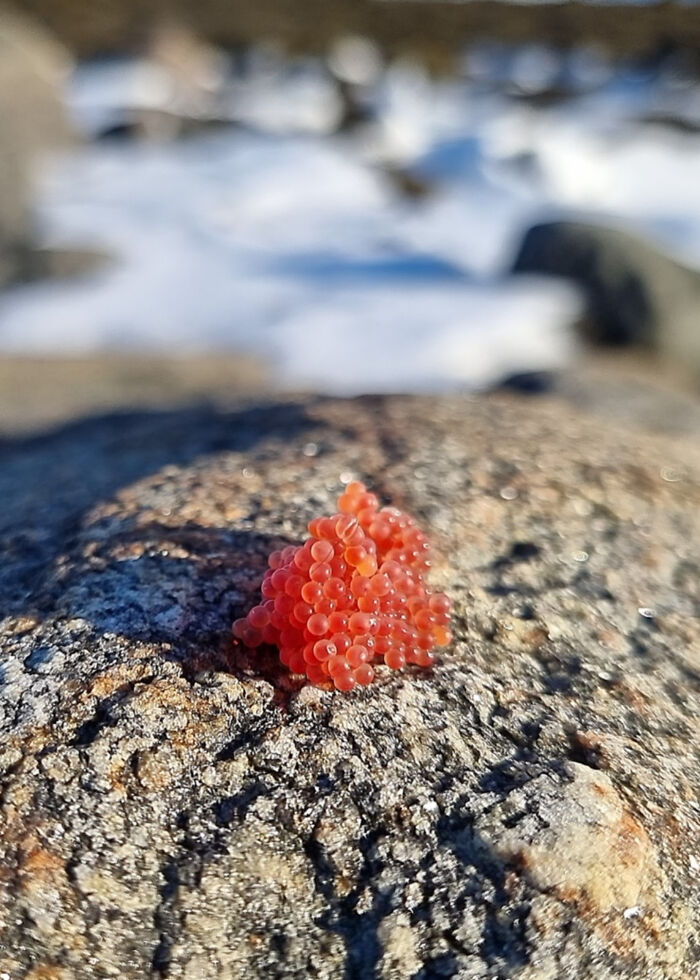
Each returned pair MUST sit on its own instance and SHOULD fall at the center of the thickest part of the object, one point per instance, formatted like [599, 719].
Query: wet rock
[635, 294]
[171, 805]
[529, 382]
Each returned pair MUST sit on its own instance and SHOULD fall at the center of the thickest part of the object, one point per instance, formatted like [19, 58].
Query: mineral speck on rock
[172, 805]
[580, 842]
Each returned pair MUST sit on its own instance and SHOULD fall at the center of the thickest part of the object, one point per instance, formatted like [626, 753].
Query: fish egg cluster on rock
[352, 595]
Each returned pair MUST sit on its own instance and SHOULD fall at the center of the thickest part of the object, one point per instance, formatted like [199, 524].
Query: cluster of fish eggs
[352, 595]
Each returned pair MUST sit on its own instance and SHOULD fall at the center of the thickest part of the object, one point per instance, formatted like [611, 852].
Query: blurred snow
[273, 235]
[102, 94]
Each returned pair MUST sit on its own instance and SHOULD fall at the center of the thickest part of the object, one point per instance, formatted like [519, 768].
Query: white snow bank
[298, 248]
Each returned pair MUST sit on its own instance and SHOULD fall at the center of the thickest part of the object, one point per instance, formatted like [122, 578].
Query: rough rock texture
[635, 294]
[173, 807]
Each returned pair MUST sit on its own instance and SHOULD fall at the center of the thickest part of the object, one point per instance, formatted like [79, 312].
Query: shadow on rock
[177, 587]
[503, 931]
[178, 583]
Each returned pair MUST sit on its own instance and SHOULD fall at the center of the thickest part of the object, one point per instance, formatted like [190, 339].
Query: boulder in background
[33, 120]
[635, 294]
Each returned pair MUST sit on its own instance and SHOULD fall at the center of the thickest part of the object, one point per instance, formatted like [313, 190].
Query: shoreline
[433, 30]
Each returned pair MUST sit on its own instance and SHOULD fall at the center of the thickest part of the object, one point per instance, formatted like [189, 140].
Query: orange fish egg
[353, 595]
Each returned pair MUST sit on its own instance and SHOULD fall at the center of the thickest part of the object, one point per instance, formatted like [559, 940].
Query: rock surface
[173, 807]
[635, 294]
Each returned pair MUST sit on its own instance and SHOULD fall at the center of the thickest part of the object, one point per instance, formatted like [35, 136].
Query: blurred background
[227, 197]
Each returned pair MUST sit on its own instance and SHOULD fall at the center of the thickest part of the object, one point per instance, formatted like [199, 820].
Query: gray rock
[192, 79]
[33, 66]
[635, 294]
[172, 806]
